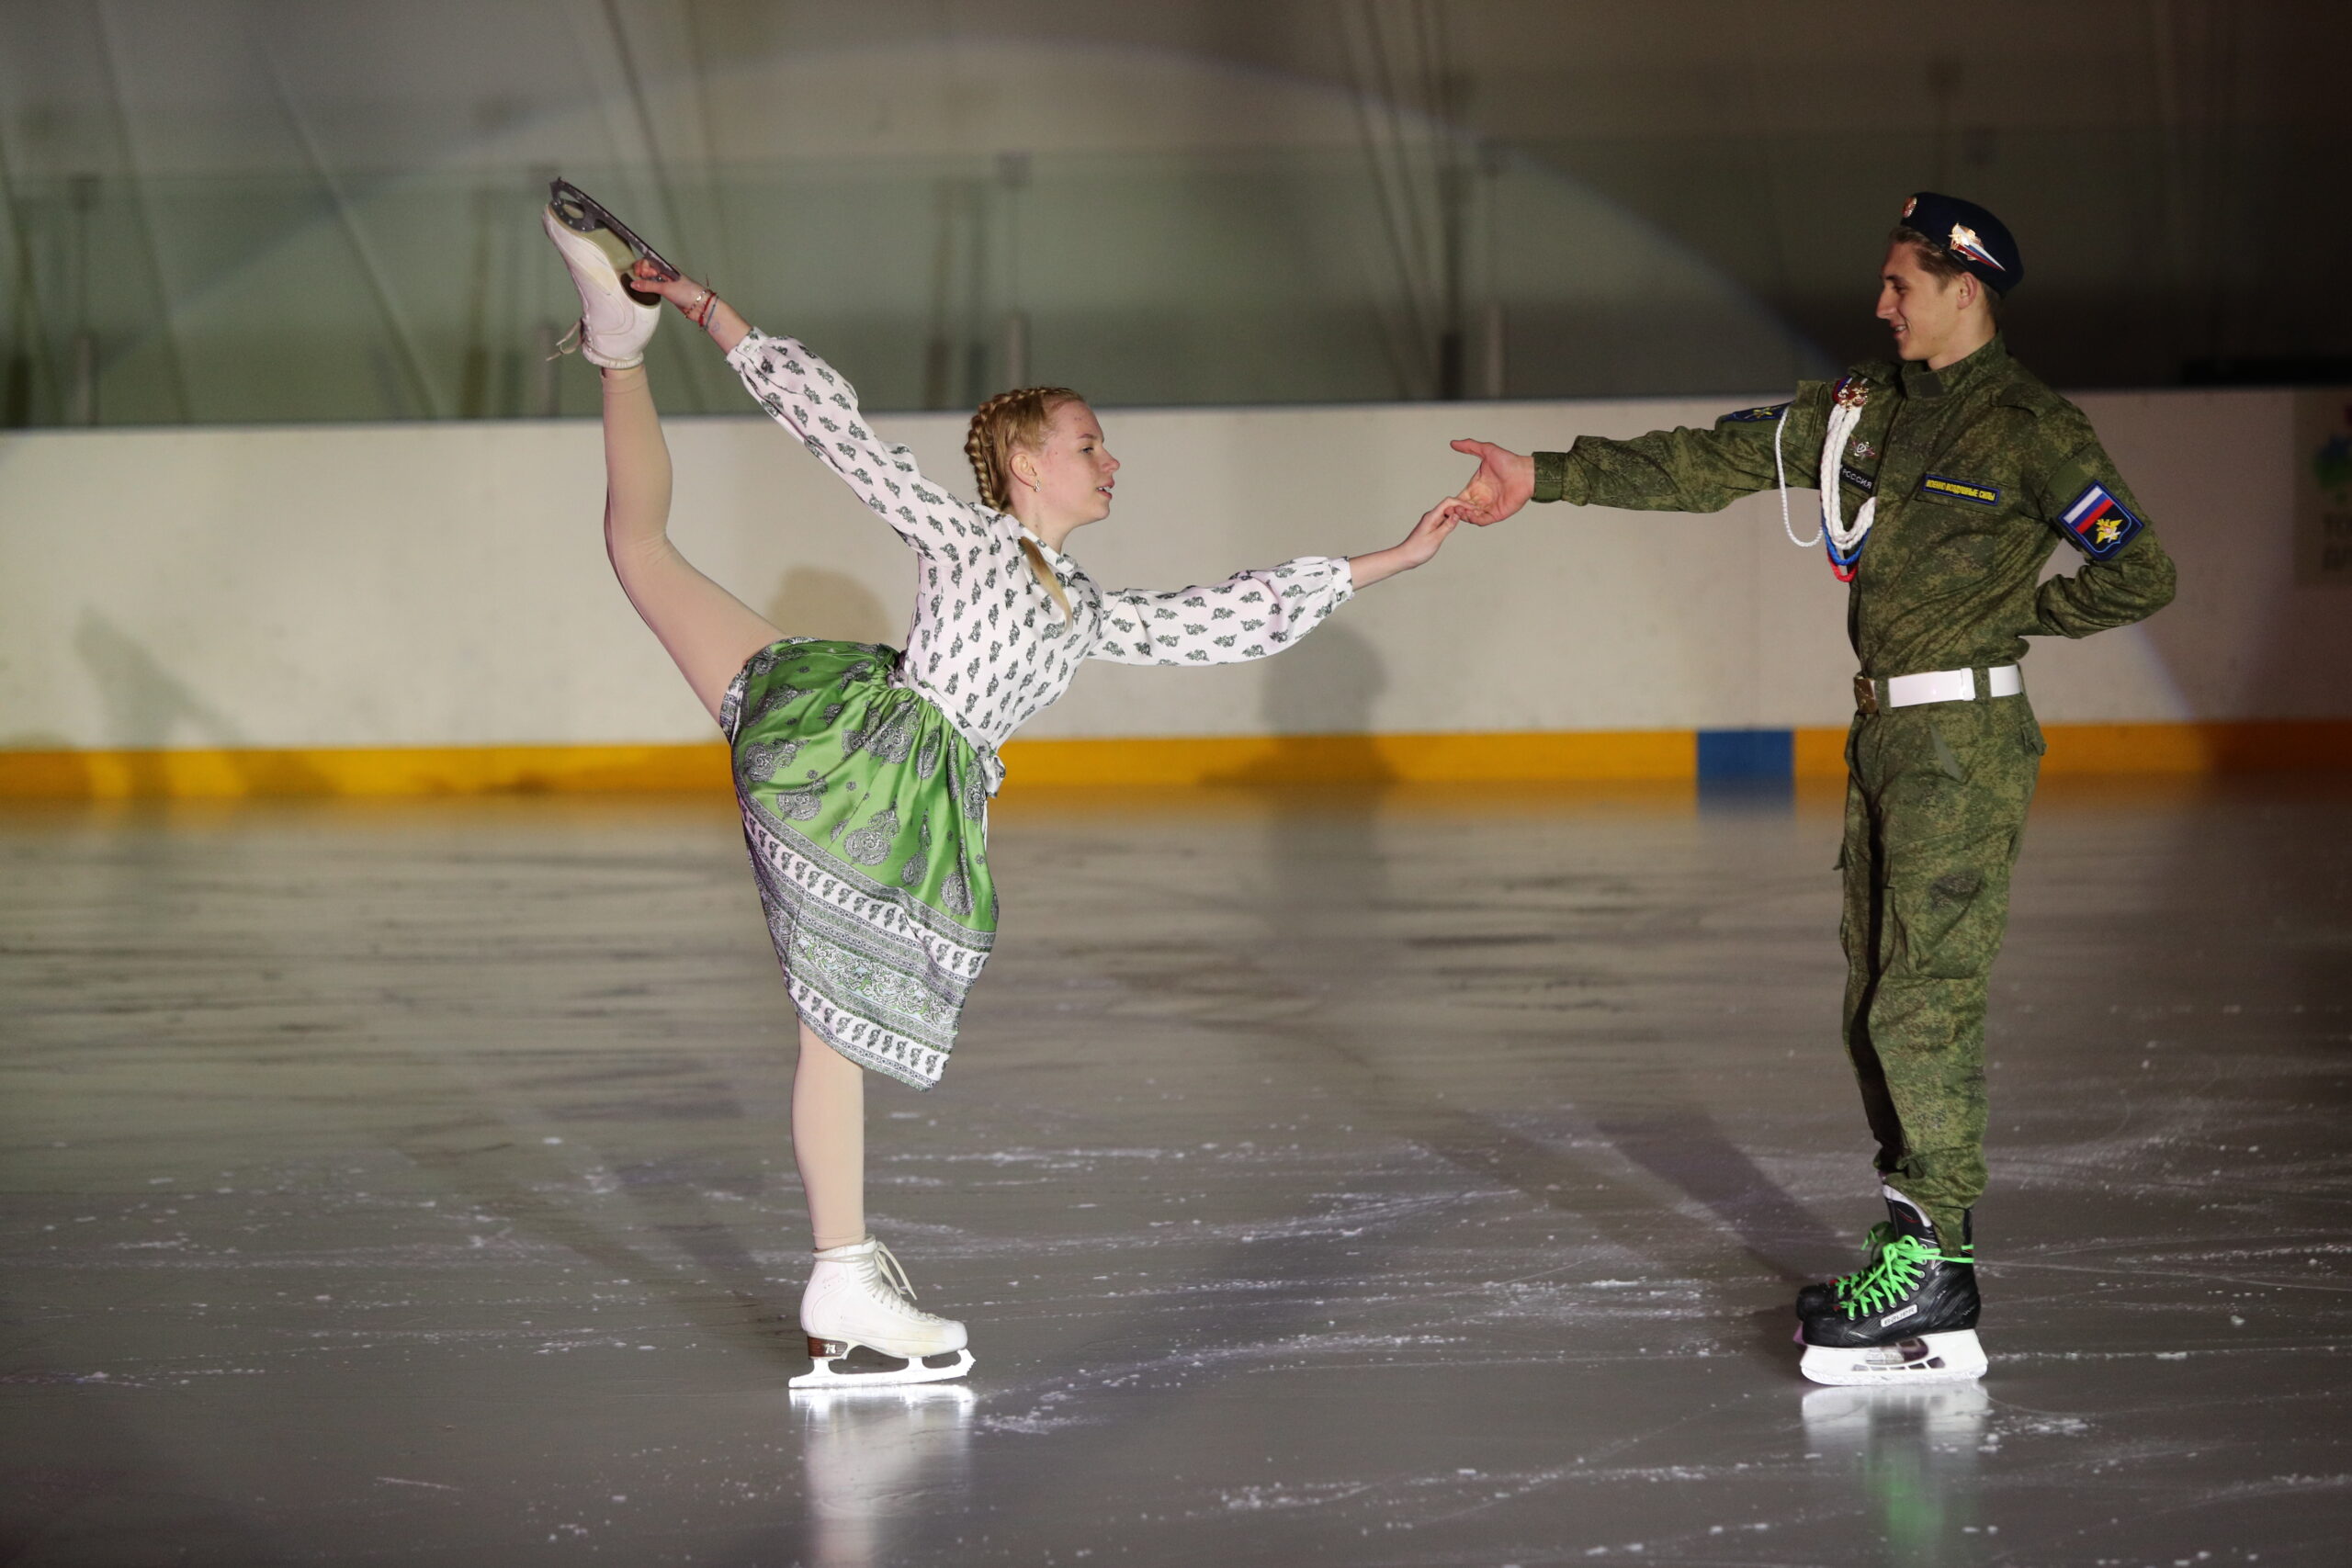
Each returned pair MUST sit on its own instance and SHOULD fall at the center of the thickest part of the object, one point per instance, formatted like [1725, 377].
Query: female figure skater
[864, 774]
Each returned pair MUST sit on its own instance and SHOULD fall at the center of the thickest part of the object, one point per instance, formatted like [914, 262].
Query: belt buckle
[1865, 696]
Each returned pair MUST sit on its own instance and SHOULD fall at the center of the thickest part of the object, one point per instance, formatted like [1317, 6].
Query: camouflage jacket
[1979, 471]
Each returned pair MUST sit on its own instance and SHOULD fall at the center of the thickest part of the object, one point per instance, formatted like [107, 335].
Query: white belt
[1935, 686]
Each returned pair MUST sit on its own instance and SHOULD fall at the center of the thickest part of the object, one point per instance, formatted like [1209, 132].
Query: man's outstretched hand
[1502, 485]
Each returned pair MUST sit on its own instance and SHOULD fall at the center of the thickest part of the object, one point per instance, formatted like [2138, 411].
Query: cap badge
[1964, 241]
[1910, 206]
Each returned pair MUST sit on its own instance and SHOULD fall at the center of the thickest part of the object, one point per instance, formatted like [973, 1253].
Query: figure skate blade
[828, 1373]
[1956, 1357]
[584, 214]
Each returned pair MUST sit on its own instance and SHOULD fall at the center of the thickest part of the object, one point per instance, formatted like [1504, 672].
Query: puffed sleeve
[814, 401]
[1249, 616]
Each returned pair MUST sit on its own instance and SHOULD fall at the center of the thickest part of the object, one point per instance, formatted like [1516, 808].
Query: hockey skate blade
[1957, 1357]
[828, 1373]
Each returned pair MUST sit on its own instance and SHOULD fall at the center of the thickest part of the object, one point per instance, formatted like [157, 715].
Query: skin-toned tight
[709, 633]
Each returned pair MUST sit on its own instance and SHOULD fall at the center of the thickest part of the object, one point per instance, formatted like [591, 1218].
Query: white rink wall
[445, 585]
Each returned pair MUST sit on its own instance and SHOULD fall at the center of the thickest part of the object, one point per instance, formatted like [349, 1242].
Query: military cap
[1976, 239]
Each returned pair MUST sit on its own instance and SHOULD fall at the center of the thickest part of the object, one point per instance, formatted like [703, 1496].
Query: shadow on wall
[1319, 705]
[146, 708]
[813, 601]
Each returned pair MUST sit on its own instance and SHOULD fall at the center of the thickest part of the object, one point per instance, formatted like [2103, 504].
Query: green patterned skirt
[867, 816]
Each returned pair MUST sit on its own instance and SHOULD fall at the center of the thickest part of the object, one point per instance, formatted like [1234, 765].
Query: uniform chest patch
[1960, 490]
[1859, 480]
[2099, 524]
[1764, 413]
[1861, 451]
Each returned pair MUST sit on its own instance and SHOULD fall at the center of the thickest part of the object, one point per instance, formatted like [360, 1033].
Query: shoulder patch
[2097, 524]
[1764, 413]
[1960, 490]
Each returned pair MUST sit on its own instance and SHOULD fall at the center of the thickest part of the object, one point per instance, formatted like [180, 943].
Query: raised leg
[708, 631]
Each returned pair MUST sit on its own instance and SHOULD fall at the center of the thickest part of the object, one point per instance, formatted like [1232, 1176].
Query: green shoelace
[1900, 1263]
[1873, 1245]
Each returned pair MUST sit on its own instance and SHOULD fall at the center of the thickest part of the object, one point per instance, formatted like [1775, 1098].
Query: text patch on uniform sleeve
[2097, 523]
[1960, 490]
[1764, 413]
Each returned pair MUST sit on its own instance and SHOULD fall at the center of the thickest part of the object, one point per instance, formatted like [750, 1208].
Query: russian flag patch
[2099, 524]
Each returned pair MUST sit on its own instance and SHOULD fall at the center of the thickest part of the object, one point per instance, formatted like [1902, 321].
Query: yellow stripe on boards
[373, 771]
[2252, 745]
[2240, 746]
[1531, 758]
[1573, 757]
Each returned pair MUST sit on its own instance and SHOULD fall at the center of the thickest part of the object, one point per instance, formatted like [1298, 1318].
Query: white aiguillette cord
[1843, 417]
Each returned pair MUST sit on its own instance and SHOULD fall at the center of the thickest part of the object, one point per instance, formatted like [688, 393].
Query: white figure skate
[858, 1298]
[615, 323]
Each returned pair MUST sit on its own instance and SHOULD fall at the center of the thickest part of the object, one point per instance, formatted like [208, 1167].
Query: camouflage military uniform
[1979, 471]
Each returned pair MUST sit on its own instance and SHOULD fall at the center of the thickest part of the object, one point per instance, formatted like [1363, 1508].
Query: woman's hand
[700, 306]
[682, 291]
[1437, 524]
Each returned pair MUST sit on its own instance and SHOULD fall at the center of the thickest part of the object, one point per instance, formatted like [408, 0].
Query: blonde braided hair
[1006, 423]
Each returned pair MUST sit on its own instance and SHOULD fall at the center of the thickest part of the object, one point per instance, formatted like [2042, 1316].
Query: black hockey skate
[1819, 1297]
[1908, 1318]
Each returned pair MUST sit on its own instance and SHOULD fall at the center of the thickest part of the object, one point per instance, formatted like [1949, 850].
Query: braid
[979, 449]
[1003, 424]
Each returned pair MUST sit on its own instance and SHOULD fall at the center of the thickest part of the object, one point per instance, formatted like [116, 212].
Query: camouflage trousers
[1936, 799]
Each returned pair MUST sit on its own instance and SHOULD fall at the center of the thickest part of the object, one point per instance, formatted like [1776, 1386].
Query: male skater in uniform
[1949, 477]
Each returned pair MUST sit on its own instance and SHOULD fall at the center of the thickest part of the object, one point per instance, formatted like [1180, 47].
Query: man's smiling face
[1924, 310]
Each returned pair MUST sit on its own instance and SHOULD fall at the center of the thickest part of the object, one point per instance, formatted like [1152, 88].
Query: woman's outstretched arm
[708, 632]
[1255, 614]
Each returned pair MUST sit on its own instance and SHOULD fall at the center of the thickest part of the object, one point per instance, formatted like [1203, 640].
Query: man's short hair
[1941, 264]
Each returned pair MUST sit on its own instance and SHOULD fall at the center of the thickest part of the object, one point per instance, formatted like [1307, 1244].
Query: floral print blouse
[989, 645]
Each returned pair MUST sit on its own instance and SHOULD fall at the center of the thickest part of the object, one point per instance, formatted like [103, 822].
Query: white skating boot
[858, 1297]
[614, 322]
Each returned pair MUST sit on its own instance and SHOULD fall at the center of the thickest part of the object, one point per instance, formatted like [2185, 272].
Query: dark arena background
[1408, 1091]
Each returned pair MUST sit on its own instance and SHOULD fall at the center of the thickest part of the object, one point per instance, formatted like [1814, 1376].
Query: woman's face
[1070, 478]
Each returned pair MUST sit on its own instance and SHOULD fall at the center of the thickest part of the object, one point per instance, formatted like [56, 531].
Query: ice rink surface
[1404, 1178]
